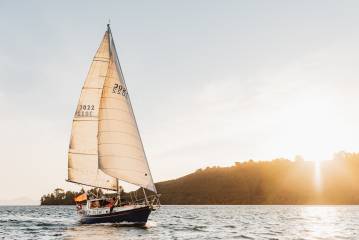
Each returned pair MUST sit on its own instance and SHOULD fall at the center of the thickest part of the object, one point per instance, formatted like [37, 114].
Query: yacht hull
[136, 216]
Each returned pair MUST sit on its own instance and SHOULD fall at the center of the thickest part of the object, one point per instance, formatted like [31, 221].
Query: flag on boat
[81, 197]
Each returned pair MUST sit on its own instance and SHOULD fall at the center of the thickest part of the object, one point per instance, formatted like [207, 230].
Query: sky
[211, 82]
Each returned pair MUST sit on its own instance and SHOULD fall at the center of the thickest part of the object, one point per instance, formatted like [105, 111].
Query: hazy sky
[211, 82]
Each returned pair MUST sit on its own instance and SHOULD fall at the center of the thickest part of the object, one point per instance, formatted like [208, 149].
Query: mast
[144, 193]
[117, 185]
[109, 41]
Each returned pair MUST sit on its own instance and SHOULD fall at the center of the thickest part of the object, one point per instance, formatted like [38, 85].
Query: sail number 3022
[119, 89]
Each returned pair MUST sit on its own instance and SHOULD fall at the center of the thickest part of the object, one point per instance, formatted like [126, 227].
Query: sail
[83, 150]
[121, 153]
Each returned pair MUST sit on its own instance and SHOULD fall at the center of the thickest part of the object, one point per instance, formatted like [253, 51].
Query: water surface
[188, 222]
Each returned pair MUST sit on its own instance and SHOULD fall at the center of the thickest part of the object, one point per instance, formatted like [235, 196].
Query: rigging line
[114, 143]
[117, 120]
[118, 156]
[107, 58]
[95, 60]
[123, 170]
[67, 180]
[103, 136]
[85, 120]
[117, 97]
[119, 143]
[139, 153]
[93, 172]
[121, 109]
[123, 144]
[106, 86]
[81, 153]
[124, 133]
[118, 109]
[115, 131]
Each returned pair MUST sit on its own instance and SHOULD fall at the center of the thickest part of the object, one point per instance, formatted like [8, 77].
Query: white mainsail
[121, 153]
[83, 150]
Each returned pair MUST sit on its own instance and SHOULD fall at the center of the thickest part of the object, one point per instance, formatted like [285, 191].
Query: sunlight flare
[317, 175]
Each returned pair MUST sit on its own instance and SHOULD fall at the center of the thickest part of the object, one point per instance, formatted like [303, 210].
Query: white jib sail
[83, 150]
[121, 152]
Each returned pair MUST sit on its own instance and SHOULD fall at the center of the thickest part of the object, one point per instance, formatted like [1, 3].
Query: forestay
[83, 150]
[121, 153]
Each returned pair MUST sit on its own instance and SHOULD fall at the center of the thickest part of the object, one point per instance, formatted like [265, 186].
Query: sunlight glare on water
[321, 221]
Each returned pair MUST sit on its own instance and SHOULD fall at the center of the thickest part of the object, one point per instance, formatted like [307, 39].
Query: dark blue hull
[135, 216]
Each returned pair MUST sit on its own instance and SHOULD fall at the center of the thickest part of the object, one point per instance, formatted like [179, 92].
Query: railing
[153, 201]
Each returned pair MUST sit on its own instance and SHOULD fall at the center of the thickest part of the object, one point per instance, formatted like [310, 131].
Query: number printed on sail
[85, 110]
[119, 89]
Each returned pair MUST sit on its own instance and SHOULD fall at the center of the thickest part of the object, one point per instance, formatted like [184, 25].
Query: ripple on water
[188, 222]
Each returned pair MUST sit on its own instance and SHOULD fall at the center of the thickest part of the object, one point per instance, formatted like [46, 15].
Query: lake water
[188, 222]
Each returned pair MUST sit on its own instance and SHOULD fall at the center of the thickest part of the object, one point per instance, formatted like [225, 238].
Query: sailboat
[106, 145]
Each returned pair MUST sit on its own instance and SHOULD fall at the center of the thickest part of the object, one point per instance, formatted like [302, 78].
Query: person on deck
[111, 203]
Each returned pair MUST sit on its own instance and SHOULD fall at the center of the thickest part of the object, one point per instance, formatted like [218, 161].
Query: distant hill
[279, 181]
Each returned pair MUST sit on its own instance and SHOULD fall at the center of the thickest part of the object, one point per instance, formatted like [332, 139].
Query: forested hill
[279, 181]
